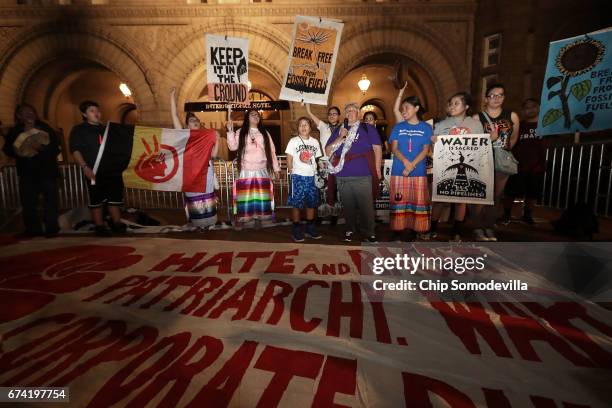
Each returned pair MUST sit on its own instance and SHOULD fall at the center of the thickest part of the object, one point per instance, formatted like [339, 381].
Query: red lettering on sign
[118, 388]
[339, 376]
[196, 293]
[285, 364]
[277, 297]
[185, 264]
[251, 258]
[28, 352]
[171, 284]
[282, 263]
[298, 308]
[241, 300]
[128, 282]
[311, 268]
[222, 260]
[219, 391]
[417, 388]
[179, 374]
[559, 315]
[61, 270]
[138, 292]
[338, 309]
[466, 322]
[142, 338]
[215, 298]
[523, 330]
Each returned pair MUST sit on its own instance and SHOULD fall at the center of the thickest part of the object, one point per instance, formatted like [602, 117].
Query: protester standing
[201, 207]
[356, 156]
[302, 153]
[409, 196]
[253, 193]
[530, 152]
[503, 126]
[103, 189]
[34, 146]
[457, 123]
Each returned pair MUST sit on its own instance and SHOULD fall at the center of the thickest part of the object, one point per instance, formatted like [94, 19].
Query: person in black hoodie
[37, 169]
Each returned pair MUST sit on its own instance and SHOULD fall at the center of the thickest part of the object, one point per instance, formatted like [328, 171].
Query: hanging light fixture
[364, 83]
[125, 90]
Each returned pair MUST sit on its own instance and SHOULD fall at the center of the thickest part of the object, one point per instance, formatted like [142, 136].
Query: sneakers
[372, 239]
[311, 232]
[490, 234]
[506, 221]
[296, 232]
[479, 235]
[348, 236]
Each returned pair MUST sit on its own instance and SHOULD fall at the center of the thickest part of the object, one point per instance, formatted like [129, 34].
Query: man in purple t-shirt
[356, 155]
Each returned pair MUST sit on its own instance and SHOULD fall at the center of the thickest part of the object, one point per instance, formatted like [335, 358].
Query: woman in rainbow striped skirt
[256, 160]
[409, 197]
[201, 207]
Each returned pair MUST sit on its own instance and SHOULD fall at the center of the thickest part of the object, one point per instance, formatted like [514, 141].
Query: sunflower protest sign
[312, 58]
[577, 91]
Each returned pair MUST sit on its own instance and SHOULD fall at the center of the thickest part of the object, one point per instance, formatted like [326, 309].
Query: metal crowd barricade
[576, 173]
[580, 173]
[72, 191]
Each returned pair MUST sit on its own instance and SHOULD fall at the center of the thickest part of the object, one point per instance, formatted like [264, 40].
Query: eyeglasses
[496, 96]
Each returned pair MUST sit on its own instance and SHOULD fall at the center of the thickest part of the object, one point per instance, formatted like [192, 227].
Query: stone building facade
[54, 55]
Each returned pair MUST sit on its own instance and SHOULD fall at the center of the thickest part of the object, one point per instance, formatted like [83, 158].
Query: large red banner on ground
[162, 322]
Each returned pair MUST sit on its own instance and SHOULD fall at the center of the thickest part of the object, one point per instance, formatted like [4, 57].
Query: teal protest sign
[577, 90]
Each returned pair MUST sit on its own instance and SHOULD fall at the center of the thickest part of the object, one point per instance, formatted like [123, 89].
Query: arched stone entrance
[47, 44]
[433, 68]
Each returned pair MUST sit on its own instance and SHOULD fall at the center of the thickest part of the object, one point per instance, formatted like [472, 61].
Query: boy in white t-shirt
[302, 153]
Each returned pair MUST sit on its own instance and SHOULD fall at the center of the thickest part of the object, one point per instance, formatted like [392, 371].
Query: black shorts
[107, 190]
[524, 185]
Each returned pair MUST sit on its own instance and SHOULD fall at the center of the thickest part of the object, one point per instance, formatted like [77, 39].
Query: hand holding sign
[230, 124]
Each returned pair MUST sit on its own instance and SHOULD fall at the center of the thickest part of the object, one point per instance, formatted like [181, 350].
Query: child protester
[410, 143]
[85, 141]
[302, 152]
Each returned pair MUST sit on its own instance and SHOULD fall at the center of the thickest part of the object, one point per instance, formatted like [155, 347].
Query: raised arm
[215, 150]
[398, 102]
[232, 137]
[175, 119]
[312, 116]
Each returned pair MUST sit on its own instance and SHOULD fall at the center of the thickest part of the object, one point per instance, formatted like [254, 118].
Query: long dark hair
[416, 102]
[244, 134]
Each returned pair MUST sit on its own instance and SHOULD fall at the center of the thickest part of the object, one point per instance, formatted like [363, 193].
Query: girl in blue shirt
[410, 143]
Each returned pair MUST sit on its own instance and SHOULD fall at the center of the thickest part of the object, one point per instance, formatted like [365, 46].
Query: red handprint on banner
[152, 165]
[30, 281]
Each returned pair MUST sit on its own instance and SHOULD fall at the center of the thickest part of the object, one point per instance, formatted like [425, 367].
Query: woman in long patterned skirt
[256, 158]
[200, 207]
[409, 197]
